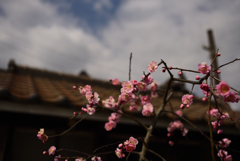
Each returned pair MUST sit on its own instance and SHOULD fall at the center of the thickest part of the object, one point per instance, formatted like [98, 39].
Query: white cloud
[35, 33]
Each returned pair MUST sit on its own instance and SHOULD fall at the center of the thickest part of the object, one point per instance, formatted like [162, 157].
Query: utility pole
[212, 49]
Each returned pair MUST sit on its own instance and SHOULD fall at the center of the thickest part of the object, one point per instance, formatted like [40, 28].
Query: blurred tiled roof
[29, 85]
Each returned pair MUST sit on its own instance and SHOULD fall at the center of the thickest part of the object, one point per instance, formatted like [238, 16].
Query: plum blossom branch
[150, 129]
[129, 116]
[187, 70]
[209, 119]
[70, 127]
[230, 86]
[227, 63]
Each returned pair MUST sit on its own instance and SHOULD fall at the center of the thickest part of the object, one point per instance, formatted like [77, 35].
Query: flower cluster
[224, 155]
[112, 121]
[176, 125]
[42, 136]
[93, 99]
[110, 103]
[220, 117]
[130, 92]
[224, 90]
[128, 145]
[224, 143]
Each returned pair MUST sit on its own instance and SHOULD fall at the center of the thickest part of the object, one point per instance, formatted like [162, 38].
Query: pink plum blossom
[80, 159]
[142, 86]
[95, 158]
[42, 136]
[119, 153]
[131, 144]
[224, 155]
[134, 82]
[204, 68]
[197, 77]
[225, 142]
[214, 112]
[115, 81]
[204, 99]
[153, 86]
[179, 112]
[220, 118]
[218, 71]
[223, 88]
[51, 150]
[110, 125]
[91, 110]
[184, 132]
[57, 158]
[85, 89]
[110, 103]
[186, 100]
[133, 108]
[230, 97]
[180, 72]
[152, 67]
[113, 120]
[171, 143]
[125, 97]
[92, 98]
[175, 125]
[147, 109]
[205, 87]
[219, 131]
[114, 117]
[145, 99]
[128, 86]
[148, 80]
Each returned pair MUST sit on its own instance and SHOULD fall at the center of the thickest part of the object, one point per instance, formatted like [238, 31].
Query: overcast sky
[98, 35]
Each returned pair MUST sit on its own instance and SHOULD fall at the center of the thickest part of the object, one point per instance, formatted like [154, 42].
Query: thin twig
[215, 57]
[130, 62]
[104, 146]
[227, 63]
[72, 151]
[193, 71]
[70, 127]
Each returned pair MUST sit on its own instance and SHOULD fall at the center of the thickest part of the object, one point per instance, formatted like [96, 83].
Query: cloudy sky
[98, 35]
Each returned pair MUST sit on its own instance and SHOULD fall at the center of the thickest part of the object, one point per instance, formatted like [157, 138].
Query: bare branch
[130, 62]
